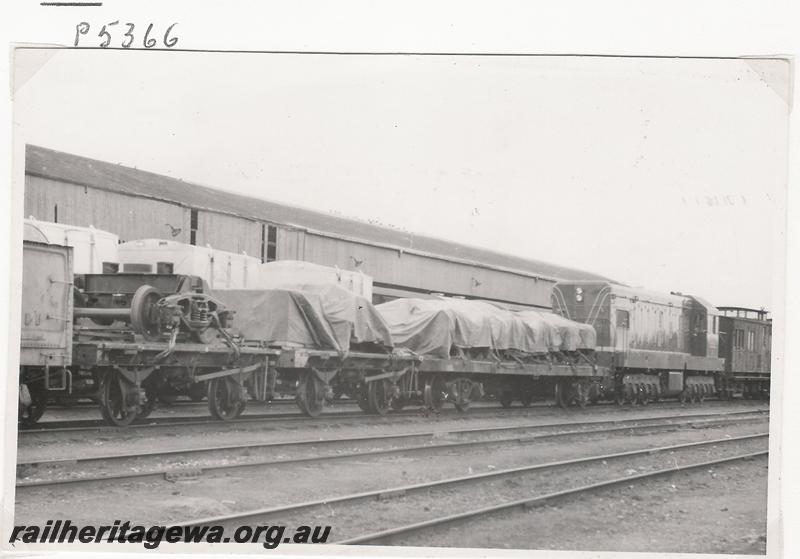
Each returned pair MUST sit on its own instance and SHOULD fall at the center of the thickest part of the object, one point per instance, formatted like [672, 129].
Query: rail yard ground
[365, 475]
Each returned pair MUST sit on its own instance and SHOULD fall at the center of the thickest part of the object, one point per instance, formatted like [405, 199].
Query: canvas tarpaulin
[321, 317]
[567, 334]
[351, 316]
[434, 326]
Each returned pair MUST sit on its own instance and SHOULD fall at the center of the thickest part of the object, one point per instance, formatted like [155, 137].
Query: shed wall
[133, 217]
[394, 267]
[127, 216]
[227, 232]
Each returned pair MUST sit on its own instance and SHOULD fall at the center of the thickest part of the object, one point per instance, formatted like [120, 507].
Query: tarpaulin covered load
[434, 326]
[351, 316]
[321, 317]
[568, 335]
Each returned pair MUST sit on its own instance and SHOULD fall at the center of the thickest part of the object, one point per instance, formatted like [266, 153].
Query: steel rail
[531, 502]
[189, 404]
[623, 424]
[177, 473]
[164, 422]
[406, 489]
[160, 422]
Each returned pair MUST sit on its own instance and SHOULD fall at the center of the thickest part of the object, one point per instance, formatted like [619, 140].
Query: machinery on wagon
[120, 338]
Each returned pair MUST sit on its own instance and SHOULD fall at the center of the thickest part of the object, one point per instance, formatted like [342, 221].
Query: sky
[663, 173]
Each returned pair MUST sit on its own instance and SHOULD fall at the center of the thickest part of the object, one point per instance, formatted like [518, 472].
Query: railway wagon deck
[130, 374]
[380, 382]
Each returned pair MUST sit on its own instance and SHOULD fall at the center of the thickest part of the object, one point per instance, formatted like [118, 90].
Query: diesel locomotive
[658, 345]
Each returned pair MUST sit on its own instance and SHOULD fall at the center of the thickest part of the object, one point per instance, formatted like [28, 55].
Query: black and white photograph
[458, 301]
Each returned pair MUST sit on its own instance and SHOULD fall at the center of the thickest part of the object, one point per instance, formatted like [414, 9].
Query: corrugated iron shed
[65, 167]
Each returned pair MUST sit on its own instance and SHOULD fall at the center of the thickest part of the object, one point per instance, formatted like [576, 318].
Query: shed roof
[60, 166]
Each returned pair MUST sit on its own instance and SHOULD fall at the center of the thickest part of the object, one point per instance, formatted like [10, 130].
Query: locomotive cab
[703, 334]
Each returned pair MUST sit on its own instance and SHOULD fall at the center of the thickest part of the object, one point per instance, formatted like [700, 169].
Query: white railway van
[94, 251]
[220, 269]
[285, 274]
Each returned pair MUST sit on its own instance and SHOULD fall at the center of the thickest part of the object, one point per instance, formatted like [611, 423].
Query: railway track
[325, 506]
[91, 425]
[189, 404]
[385, 536]
[425, 441]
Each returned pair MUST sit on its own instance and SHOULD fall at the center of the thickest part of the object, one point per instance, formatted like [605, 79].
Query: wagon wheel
[144, 312]
[379, 396]
[684, 396]
[115, 396]
[433, 394]
[619, 396]
[310, 395]
[506, 398]
[526, 399]
[32, 412]
[695, 394]
[225, 400]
